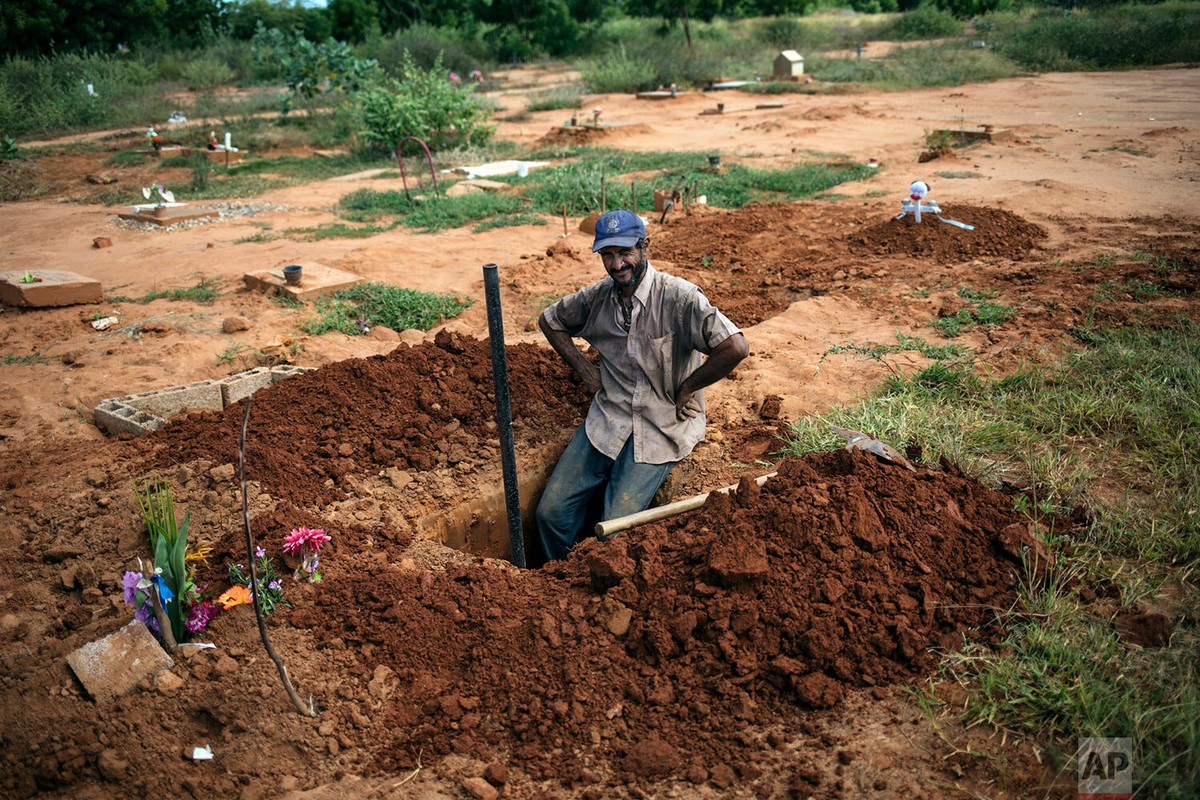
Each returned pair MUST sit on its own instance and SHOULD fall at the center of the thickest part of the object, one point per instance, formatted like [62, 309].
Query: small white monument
[788, 65]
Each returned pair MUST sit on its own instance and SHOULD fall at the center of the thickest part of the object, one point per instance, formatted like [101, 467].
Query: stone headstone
[110, 667]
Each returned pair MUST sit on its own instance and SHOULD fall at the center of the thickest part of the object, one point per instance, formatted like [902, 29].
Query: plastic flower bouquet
[306, 543]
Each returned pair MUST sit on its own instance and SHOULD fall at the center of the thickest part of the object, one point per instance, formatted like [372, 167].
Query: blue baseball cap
[618, 228]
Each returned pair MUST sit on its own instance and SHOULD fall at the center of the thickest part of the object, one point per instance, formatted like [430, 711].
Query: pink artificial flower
[199, 616]
[596, 111]
[476, 74]
[454, 77]
[303, 539]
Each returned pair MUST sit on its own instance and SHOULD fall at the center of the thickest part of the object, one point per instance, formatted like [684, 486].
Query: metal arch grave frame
[428, 157]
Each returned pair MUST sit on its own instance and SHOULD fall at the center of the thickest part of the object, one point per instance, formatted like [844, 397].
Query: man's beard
[639, 269]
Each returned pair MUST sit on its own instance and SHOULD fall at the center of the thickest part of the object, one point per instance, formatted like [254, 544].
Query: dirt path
[422, 656]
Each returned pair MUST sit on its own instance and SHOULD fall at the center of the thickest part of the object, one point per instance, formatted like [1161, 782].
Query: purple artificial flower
[260, 552]
[130, 582]
[145, 615]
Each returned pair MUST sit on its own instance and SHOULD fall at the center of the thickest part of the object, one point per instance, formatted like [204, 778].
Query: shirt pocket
[658, 363]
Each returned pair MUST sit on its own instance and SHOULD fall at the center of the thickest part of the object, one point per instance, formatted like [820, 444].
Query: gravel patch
[225, 210]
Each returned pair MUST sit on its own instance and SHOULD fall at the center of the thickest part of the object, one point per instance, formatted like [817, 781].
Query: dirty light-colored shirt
[673, 326]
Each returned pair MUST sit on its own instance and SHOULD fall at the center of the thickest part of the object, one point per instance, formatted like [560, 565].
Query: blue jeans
[581, 471]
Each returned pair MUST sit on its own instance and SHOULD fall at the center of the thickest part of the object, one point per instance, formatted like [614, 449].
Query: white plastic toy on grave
[918, 202]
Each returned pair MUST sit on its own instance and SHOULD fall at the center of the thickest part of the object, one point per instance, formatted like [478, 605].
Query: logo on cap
[613, 223]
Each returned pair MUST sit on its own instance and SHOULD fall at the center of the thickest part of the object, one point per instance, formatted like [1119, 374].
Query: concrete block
[318, 281]
[166, 403]
[116, 417]
[285, 371]
[110, 667]
[52, 287]
[244, 384]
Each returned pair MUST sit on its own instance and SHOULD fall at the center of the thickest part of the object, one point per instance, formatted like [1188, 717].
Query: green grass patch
[286, 301]
[556, 98]
[128, 158]
[204, 293]
[261, 236]
[39, 357]
[952, 353]
[576, 182]
[355, 310]
[1136, 289]
[337, 230]
[981, 311]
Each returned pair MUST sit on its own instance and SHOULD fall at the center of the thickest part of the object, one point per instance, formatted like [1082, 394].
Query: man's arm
[563, 344]
[727, 355]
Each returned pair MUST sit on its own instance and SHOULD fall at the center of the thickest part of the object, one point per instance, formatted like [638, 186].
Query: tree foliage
[426, 104]
[36, 27]
[311, 69]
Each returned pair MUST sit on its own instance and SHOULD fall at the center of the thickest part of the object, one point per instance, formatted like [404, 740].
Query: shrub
[1125, 36]
[618, 72]
[556, 98]
[206, 72]
[460, 50]
[927, 22]
[425, 104]
[50, 93]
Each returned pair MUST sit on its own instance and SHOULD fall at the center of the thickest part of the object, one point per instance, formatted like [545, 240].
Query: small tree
[427, 104]
[311, 69]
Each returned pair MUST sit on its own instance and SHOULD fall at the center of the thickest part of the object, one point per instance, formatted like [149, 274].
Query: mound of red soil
[755, 261]
[997, 233]
[417, 408]
[841, 571]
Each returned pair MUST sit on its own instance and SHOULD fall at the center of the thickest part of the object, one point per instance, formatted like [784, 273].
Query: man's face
[625, 265]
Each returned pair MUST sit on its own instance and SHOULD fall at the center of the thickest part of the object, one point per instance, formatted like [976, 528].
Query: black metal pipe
[508, 459]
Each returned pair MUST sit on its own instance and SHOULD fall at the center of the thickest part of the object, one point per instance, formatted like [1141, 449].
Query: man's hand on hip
[686, 406]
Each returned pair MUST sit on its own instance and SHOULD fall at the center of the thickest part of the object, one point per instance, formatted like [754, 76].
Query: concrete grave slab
[52, 287]
[317, 280]
[168, 215]
[110, 667]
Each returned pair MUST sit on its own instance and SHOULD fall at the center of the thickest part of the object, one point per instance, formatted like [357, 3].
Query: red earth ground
[757, 647]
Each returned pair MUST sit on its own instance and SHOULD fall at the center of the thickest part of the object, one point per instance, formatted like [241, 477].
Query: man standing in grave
[651, 332]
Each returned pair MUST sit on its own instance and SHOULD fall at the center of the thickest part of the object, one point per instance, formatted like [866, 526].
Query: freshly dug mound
[841, 571]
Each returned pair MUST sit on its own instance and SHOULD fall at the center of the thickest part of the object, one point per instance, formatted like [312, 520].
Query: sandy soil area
[1088, 173]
